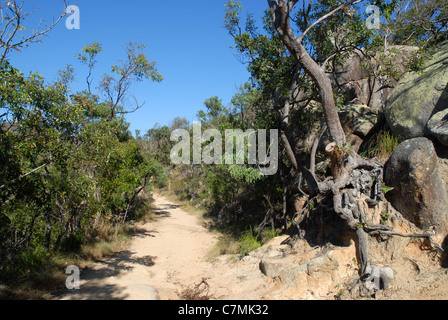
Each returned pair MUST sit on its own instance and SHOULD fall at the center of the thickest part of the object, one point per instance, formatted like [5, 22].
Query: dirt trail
[166, 257]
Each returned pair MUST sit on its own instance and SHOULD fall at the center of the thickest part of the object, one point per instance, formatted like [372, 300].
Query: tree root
[355, 177]
[415, 236]
[375, 278]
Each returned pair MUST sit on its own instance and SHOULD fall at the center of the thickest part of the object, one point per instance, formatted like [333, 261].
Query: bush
[249, 241]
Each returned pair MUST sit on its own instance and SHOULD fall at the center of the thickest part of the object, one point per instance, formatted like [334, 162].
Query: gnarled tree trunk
[343, 164]
[280, 12]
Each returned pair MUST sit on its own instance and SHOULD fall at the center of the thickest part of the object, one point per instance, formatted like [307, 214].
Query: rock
[322, 264]
[419, 192]
[358, 87]
[272, 249]
[312, 273]
[417, 96]
[351, 70]
[438, 126]
[360, 119]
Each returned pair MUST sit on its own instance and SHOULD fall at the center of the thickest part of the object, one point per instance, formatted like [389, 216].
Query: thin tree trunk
[280, 11]
[47, 234]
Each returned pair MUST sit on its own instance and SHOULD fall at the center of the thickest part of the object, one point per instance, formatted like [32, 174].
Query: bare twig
[324, 17]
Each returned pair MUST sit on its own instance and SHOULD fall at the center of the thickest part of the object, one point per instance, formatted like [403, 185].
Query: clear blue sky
[187, 39]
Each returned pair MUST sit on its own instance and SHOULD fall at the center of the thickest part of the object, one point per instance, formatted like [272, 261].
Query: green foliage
[418, 22]
[268, 234]
[89, 54]
[232, 19]
[248, 242]
[247, 174]
[387, 189]
[418, 60]
[68, 164]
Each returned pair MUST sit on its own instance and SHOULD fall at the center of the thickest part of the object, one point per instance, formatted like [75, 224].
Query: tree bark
[280, 12]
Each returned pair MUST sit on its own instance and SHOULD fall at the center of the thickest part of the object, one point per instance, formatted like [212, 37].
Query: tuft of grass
[383, 145]
[249, 241]
[241, 243]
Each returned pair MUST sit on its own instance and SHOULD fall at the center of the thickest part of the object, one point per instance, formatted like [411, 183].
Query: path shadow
[142, 233]
[162, 213]
[92, 279]
[162, 210]
[168, 206]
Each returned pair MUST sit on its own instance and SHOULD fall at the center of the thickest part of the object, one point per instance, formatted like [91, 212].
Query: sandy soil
[166, 255]
[167, 258]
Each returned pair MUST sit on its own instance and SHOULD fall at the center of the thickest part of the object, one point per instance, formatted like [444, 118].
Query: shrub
[248, 242]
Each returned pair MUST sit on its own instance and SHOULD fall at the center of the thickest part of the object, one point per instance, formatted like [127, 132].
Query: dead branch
[24, 175]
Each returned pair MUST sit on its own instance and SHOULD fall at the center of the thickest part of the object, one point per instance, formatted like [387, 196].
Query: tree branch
[343, 6]
[24, 175]
[7, 36]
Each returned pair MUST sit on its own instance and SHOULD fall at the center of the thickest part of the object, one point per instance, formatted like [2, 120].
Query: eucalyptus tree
[68, 161]
[291, 61]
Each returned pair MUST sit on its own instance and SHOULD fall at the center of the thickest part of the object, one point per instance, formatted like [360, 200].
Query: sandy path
[165, 257]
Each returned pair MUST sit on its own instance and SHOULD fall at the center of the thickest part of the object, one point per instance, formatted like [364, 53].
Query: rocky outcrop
[418, 96]
[304, 272]
[359, 119]
[419, 192]
[438, 126]
[359, 86]
[297, 269]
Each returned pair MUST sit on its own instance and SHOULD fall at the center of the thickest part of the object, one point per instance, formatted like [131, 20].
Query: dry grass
[226, 245]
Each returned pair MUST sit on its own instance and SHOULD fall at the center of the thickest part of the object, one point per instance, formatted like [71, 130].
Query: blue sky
[187, 39]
